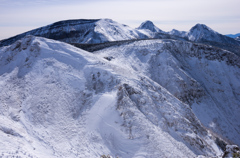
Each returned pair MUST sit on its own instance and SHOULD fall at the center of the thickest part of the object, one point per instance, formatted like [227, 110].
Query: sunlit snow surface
[152, 99]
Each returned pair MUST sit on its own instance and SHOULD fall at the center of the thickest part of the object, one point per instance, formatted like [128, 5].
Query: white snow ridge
[147, 98]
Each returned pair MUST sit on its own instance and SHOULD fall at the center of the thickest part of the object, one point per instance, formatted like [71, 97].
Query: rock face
[151, 98]
[232, 151]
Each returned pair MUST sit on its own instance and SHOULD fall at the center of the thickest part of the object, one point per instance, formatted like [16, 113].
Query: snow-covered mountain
[82, 31]
[106, 30]
[147, 98]
[203, 33]
[153, 32]
[148, 25]
[139, 93]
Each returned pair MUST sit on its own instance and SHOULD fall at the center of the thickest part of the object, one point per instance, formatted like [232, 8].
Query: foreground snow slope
[60, 101]
[203, 77]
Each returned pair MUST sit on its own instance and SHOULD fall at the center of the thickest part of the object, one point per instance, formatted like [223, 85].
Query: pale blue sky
[18, 16]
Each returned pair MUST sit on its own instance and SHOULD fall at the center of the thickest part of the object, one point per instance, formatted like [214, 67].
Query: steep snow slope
[82, 31]
[59, 101]
[203, 77]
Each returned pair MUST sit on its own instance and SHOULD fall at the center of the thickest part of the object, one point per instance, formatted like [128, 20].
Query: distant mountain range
[106, 30]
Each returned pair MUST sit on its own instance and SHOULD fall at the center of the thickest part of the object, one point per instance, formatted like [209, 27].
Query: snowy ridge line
[100, 46]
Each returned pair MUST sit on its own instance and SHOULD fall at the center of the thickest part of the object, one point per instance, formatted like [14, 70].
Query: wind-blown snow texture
[150, 98]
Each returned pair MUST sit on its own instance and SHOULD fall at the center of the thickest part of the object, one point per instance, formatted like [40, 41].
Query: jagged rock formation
[232, 151]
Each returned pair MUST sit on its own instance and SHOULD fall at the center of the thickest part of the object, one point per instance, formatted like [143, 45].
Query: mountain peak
[201, 27]
[147, 22]
[107, 20]
[150, 26]
[201, 31]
